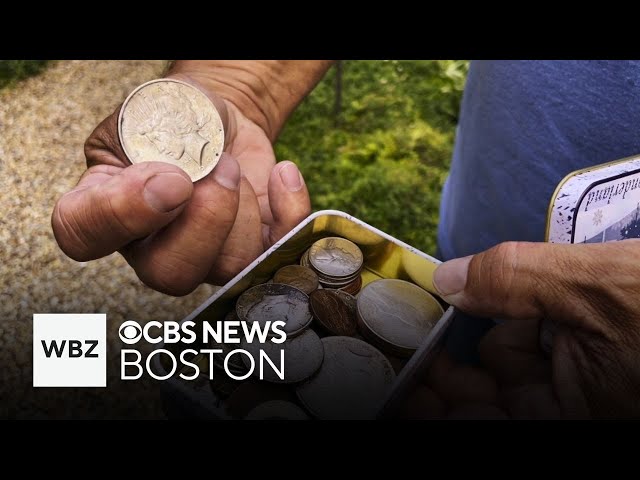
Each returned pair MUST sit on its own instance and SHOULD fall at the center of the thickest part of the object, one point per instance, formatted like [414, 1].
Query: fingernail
[167, 191]
[451, 277]
[291, 177]
[227, 172]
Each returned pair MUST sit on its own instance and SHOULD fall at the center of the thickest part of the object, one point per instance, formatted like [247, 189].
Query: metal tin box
[384, 257]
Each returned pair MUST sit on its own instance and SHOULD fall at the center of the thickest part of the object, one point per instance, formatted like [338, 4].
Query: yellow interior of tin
[382, 259]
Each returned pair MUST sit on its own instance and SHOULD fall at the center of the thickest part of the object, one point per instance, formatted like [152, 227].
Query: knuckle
[499, 267]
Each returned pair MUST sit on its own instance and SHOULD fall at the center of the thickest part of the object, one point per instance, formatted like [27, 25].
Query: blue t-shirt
[523, 126]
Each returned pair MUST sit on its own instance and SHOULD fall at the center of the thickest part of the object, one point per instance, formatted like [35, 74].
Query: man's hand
[590, 292]
[176, 234]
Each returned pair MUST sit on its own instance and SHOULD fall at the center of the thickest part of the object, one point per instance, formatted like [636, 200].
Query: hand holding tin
[590, 291]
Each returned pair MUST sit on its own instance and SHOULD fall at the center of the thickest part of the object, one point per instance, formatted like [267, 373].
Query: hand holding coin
[138, 195]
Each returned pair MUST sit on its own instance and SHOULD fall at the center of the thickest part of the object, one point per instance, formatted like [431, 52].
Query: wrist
[266, 92]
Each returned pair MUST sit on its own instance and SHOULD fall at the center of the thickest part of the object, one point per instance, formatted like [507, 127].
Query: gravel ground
[44, 122]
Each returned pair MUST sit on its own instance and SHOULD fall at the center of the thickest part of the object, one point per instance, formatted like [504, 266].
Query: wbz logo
[69, 350]
[75, 348]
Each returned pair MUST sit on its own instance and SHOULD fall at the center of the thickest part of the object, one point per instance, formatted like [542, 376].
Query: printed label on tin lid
[609, 212]
[597, 204]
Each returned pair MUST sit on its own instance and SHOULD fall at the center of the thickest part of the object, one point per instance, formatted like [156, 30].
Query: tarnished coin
[353, 287]
[352, 382]
[304, 259]
[333, 313]
[335, 257]
[303, 356]
[397, 315]
[171, 121]
[297, 276]
[277, 410]
[273, 302]
[349, 299]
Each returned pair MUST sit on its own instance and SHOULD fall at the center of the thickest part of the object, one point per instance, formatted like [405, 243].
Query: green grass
[385, 158]
[12, 71]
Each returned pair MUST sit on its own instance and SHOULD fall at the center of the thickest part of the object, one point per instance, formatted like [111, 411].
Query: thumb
[288, 198]
[511, 280]
[113, 206]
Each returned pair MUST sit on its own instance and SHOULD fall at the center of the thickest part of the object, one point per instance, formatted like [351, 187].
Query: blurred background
[374, 139]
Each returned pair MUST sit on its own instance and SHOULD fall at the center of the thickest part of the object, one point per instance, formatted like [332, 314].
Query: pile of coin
[338, 263]
[341, 349]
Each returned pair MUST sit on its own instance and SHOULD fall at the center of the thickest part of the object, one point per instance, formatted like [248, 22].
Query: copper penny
[349, 299]
[354, 287]
[333, 313]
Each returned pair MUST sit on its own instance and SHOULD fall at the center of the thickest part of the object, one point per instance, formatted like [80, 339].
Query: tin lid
[572, 216]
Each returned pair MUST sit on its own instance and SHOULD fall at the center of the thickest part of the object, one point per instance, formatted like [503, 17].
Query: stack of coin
[338, 263]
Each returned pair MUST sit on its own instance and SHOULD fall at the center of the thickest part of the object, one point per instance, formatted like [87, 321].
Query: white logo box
[384, 257]
[74, 353]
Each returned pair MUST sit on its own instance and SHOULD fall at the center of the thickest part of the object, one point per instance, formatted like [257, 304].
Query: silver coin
[304, 259]
[352, 383]
[171, 121]
[275, 302]
[235, 363]
[398, 314]
[335, 257]
[277, 410]
[303, 356]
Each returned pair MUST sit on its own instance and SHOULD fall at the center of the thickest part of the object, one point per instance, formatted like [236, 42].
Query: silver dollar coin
[398, 313]
[171, 121]
[303, 356]
[275, 302]
[336, 257]
[352, 383]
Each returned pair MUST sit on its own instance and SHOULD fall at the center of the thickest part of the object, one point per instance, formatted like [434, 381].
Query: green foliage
[15, 70]
[386, 157]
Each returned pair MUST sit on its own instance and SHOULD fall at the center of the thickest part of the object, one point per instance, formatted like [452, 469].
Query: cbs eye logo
[130, 332]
